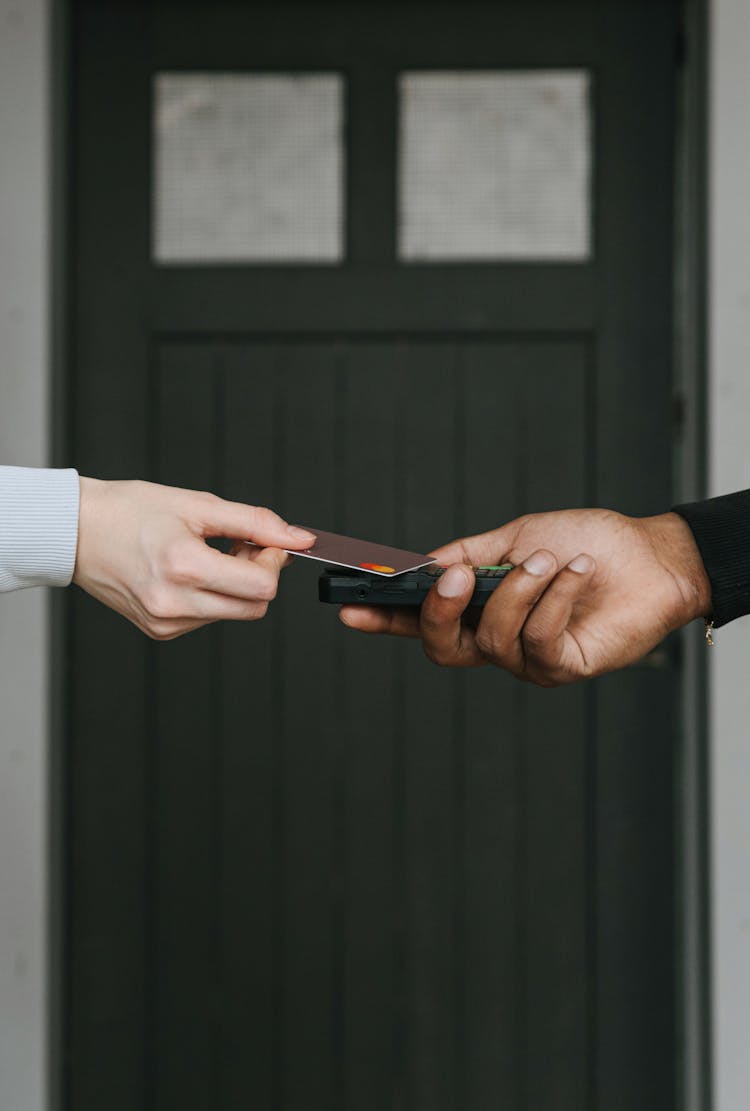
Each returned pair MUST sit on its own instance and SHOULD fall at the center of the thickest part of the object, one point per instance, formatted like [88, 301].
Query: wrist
[677, 551]
[91, 492]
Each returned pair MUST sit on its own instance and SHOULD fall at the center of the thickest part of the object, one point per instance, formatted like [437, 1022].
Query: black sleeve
[721, 527]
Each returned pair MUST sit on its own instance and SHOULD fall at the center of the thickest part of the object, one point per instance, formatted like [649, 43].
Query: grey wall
[24, 172]
[729, 416]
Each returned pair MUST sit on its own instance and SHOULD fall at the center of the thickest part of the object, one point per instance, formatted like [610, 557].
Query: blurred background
[405, 271]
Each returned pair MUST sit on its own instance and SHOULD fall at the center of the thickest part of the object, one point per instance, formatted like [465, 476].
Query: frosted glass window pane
[494, 166]
[248, 168]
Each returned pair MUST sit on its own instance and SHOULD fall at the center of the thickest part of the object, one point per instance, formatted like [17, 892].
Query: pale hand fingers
[445, 639]
[251, 522]
[249, 553]
[162, 630]
[186, 601]
[498, 636]
[205, 606]
[252, 579]
[190, 610]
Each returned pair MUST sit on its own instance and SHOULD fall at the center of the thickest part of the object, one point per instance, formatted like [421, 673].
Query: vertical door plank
[493, 911]
[251, 686]
[372, 738]
[427, 444]
[309, 726]
[635, 895]
[185, 787]
[555, 851]
[555, 860]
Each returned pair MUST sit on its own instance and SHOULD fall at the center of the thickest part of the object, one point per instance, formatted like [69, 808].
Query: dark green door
[307, 870]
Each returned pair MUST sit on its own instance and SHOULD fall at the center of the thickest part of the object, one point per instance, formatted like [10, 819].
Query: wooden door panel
[352, 848]
[306, 869]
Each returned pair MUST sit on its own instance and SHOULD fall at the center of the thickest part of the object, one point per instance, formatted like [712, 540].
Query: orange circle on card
[377, 567]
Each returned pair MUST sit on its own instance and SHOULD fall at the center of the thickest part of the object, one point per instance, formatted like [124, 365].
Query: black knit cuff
[721, 527]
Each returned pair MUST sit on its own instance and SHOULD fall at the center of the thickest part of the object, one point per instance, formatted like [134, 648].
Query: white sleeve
[38, 526]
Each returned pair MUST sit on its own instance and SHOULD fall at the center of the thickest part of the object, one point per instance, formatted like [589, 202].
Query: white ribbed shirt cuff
[38, 526]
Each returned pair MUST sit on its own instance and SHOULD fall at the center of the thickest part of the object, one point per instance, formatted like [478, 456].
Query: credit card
[361, 555]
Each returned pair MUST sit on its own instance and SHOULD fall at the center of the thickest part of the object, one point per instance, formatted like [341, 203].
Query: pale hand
[142, 551]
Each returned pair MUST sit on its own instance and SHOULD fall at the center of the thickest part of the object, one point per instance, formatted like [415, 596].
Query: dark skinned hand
[591, 591]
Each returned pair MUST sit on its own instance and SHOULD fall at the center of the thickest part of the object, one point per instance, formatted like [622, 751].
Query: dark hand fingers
[403, 622]
[482, 549]
[438, 619]
[446, 640]
[471, 618]
[407, 621]
[552, 653]
[505, 614]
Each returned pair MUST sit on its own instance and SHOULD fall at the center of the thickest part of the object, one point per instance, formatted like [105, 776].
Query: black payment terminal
[343, 587]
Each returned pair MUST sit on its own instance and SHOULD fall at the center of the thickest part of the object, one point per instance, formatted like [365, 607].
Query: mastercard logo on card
[381, 568]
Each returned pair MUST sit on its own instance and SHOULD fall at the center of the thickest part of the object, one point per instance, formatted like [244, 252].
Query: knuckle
[487, 643]
[157, 602]
[436, 655]
[267, 519]
[268, 588]
[261, 515]
[428, 625]
[535, 637]
[545, 681]
[202, 503]
[178, 567]
[159, 630]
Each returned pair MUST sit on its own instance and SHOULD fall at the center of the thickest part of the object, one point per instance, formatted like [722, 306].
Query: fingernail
[453, 582]
[540, 563]
[582, 564]
[301, 533]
